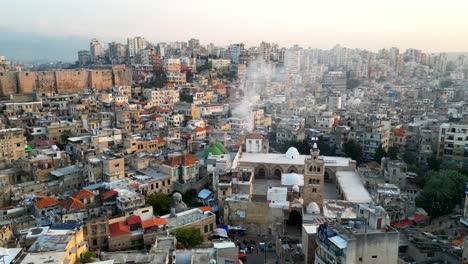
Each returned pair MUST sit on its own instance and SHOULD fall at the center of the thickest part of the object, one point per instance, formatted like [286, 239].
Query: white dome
[292, 153]
[356, 102]
[295, 188]
[292, 179]
[313, 208]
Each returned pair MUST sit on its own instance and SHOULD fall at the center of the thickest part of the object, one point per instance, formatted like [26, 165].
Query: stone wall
[259, 217]
[8, 83]
[63, 82]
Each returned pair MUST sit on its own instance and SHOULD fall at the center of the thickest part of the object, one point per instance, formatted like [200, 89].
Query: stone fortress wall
[63, 82]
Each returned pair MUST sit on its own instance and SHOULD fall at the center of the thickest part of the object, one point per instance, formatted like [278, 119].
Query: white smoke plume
[257, 78]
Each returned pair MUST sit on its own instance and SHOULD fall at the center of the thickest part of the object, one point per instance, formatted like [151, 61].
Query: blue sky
[431, 25]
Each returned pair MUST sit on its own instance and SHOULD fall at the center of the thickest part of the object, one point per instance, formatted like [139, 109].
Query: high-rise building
[84, 57]
[117, 53]
[292, 59]
[97, 50]
[135, 45]
[193, 44]
[235, 50]
[453, 142]
[12, 145]
[264, 51]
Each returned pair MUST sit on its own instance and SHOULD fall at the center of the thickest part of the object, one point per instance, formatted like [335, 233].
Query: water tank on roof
[351, 224]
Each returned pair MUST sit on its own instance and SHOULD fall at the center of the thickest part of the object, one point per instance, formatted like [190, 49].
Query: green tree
[393, 152]
[442, 191]
[353, 150]
[189, 236]
[160, 202]
[64, 136]
[88, 257]
[186, 98]
[190, 198]
[433, 163]
[379, 154]
[446, 83]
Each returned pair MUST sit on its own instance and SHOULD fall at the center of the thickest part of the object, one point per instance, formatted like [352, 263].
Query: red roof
[46, 202]
[134, 219]
[162, 110]
[419, 217]
[206, 209]
[73, 204]
[399, 132]
[199, 129]
[119, 229]
[83, 194]
[161, 140]
[186, 159]
[169, 84]
[109, 194]
[402, 223]
[219, 86]
[254, 136]
[154, 222]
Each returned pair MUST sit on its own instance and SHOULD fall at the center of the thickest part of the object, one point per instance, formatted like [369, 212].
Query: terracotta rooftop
[186, 159]
[119, 229]
[254, 136]
[133, 219]
[199, 129]
[399, 132]
[73, 204]
[206, 209]
[109, 194]
[219, 86]
[154, 222]
[83, 194]
[46, 202]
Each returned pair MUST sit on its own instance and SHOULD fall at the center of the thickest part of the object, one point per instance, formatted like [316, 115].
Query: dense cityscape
[191, 152]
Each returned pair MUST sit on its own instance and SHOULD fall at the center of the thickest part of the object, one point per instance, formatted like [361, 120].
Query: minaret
[314, 168]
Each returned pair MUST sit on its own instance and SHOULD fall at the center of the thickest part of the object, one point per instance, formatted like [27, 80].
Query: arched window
[318, 169]
[310, 168]
[310, 181]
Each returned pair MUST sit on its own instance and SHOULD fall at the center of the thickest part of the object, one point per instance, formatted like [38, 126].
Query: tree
[393, 152]
[446, 83]
[64, 136]
[88, 257]
[379, 154]
[190, 198]
[353, 150]
[185, 98]
[442, 191]
[160, 202]
[189, 236]
[433, 163]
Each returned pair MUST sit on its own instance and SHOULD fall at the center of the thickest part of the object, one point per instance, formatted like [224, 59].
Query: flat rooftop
[274, 158]
[186, 218]
[352, 187]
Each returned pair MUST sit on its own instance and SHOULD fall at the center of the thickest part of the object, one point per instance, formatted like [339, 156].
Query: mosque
[299, 184]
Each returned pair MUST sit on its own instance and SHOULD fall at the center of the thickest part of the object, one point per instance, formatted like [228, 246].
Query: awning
[339, 242]
[221, 232]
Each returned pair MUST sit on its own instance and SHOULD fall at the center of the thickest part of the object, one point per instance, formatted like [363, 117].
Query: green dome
[220, 147]
[28, 148]
[213, 149]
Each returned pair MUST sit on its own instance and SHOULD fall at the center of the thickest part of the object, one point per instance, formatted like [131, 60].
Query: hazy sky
[431, 25]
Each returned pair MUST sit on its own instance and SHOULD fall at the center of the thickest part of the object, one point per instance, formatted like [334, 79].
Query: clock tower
[314, 170]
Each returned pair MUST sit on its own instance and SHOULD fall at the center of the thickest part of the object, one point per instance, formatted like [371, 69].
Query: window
[310, 181]
[374, 257]
[206, 229]
[314, 190]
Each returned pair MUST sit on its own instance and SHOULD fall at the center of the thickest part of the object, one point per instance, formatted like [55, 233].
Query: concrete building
[12, 145]
[96, 50]
[84, 57]
[135, 45]
[370, 241]
[453, 144]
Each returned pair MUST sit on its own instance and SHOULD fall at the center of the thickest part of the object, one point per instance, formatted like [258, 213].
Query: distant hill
[28, 47]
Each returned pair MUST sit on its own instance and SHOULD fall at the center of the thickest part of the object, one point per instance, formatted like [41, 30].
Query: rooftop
[352, 187]
[274, 158]
[186, 218]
